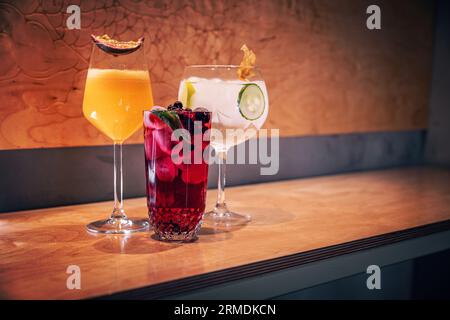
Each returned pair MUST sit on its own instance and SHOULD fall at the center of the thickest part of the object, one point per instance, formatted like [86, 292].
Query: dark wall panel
[438, 142]
[35, 178]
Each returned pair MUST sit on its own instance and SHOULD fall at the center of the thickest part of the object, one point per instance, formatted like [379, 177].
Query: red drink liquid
[176, 192]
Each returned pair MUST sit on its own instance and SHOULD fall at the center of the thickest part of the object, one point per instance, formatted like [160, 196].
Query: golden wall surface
[326, 72]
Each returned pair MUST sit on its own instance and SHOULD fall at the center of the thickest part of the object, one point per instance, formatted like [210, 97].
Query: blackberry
[178, 105]
[202, 116]
[186, 120]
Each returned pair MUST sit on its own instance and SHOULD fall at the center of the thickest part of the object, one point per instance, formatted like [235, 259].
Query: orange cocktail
[115, 99]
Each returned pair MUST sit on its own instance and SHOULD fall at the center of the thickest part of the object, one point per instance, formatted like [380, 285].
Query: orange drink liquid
[115, 99]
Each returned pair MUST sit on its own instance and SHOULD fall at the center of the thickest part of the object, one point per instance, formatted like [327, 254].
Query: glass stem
[118, 212]
[221, 207]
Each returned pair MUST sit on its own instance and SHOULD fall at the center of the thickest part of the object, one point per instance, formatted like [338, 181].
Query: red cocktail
[176, 170]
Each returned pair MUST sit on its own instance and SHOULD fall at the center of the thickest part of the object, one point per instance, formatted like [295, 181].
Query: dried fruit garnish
[116, 47]
[245, 70]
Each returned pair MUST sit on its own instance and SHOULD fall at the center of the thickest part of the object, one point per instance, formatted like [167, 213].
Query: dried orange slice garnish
[245, 70]
[116, 47]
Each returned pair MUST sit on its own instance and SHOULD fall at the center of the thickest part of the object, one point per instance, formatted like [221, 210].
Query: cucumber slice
[251, 101]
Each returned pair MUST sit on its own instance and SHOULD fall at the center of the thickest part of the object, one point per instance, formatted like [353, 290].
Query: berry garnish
[178, 105]
[201, 114]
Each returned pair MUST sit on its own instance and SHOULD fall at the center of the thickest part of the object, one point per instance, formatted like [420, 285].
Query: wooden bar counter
[295, 223]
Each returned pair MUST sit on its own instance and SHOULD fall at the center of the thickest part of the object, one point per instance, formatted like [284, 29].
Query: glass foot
[225, 218]
[118, 226]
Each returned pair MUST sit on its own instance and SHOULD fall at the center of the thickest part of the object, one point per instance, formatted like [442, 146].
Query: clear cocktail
[239, 109]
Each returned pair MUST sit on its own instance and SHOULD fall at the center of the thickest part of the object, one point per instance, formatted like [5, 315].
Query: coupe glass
[117, 92]
[235, 105]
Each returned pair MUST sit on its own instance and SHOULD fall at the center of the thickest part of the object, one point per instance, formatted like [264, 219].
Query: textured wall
[326, 72]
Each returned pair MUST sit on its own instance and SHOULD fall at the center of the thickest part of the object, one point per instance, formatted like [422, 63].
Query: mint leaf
[169, 117]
